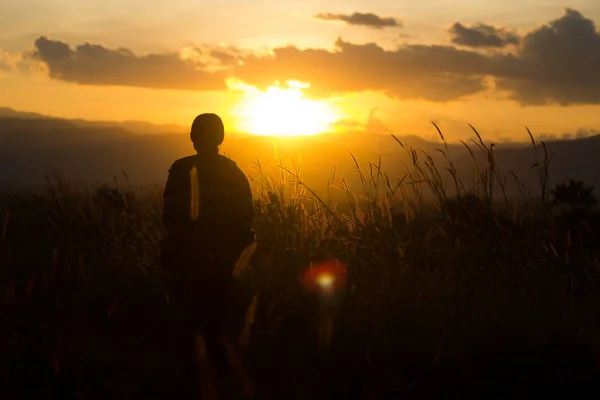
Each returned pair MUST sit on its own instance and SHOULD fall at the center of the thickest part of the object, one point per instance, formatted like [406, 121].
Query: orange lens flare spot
[325, 280]
[324, 276]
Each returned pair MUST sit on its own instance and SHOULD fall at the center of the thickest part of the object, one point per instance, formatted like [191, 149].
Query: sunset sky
[378, 65]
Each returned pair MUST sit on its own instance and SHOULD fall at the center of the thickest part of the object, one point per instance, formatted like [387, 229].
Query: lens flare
[324, 276]
[325, 280]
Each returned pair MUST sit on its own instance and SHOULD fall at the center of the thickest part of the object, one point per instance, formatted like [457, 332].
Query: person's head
[207, 133]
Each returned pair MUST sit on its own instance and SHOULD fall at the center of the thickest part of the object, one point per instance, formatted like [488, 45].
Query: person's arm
[246, 204]
[171, 200]
[167, 260]
[237, 210]
[240, 216]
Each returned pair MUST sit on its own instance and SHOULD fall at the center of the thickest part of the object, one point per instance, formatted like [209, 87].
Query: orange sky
[374, 65]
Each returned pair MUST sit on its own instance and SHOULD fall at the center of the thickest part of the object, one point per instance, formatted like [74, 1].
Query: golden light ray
[282, 111]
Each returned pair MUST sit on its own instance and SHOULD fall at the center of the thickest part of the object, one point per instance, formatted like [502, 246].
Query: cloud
[9, 61]
[348, 124]
[364, 19]
[96, 65]
[482, 36]
[437, 73]
[4, 64]
[372, 124]
[547, 137]
[580, 133]
[224, 58]
[554, 63]
[557, 63]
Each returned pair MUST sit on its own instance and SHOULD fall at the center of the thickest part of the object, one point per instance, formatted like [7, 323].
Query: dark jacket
[209, 211]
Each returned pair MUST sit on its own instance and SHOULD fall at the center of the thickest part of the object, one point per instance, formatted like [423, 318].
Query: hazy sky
[388, 64]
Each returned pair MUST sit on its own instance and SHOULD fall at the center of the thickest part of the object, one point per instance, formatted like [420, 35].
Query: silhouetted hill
[6, 112]
[32, 146]
[141, 127]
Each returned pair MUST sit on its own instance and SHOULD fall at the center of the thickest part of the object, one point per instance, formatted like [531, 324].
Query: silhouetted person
[208, 213]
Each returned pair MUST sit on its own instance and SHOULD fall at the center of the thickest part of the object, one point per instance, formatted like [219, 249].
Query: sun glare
[282, 111]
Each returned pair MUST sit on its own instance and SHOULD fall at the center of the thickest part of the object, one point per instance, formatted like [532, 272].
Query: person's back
[208, 207]
[207, 214]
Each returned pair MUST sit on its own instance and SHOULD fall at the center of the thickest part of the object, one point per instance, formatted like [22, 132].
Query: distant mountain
[140, 127]
[6, 112]
[32, 145]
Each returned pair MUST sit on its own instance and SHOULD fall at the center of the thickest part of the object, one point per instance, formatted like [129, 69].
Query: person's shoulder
[228, 163]
[226, 160]
[232, 166]
[184, 162]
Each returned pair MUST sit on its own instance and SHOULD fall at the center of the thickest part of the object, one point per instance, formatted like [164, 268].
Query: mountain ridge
[32, 145]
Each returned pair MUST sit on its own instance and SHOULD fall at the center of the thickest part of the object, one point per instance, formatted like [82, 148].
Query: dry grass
[481, 274]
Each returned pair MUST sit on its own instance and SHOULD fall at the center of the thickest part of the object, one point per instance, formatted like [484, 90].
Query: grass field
[484, 295]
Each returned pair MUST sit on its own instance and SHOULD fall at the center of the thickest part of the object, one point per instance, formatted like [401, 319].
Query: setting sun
[282, 111]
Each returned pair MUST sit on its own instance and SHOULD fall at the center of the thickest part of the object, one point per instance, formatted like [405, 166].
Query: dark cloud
[555, 63]
[437, 73]
[97, 65]
[482, 36]
[558, 62]
[364, 19]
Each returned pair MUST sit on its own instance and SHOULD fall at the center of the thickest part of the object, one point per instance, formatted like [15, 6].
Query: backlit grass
[441, 273]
